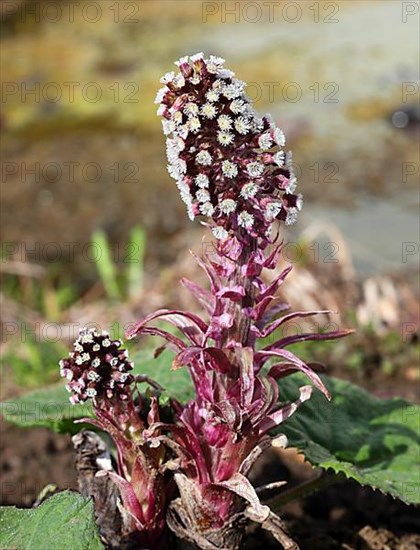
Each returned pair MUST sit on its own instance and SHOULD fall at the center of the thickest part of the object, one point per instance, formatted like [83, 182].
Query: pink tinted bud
[97, 367]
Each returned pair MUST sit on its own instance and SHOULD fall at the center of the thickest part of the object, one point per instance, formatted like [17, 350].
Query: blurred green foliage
[35, 363]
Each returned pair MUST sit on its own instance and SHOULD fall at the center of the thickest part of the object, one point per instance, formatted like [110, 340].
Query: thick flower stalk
[231, 170]
[99, 370]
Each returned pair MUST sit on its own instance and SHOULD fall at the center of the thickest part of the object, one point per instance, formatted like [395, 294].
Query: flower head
[217, 140]
[97, 367]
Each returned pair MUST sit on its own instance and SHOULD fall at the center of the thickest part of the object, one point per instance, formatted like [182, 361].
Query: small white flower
[270, 120]
[279, 137]
[255, 169]
[92, 375]
[242, 125]
[183, 131]
[78, 347]
[190, 212]
[183, 186]
[178, 81]
[161, 94]
[208, 110]
[174, 171]
[279, 158]
[265, 142]
[168, 127]
[203, 158]
[161, 109]
[258, 124]
[77, 388]
[195, 79]
[238, 106]
[96, 347]
[249, 190]
[220, 233]
[178, 143]
[177, 117]
[202, 195]
[85, 357]
[191, 109]
[173, 148]
[299, 202]
[229, 169]
[225, 73]
[217, 60]
[181, 60]
[214, 64]
[212, 96]
[124, 376]
[194, 124]
[196, 57]
[114, 361]
[168, 77]
[79, 360]
[207, 209]
[246, 220]
[232, 91]
[96, 362]
[224, 122]
[202, 180]
[106, 343]
[186, 199]
[273, 210]
[184, 190]
[225, 138]
[291, 185]
[218, 85]
[86, 337]
[171, 154]
[91, 392]
[181, 166]
[228, 206]
[291, 217]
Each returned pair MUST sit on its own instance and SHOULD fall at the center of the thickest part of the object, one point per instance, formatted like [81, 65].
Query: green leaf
[177, 383]
[64, 521]
[374, 441]
[50, 407]
[47, 408]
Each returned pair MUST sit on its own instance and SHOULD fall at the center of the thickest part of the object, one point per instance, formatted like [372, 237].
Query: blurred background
[92, 226]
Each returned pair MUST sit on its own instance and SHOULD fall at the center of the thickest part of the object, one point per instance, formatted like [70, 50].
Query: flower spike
[216, 141]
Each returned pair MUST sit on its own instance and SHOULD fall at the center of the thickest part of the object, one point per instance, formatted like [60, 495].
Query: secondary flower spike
[97, 367]
[227, 161]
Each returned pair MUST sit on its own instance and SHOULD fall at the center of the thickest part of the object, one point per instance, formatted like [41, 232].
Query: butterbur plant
[230, 168]
[232, 172]
[178, 475]
[99, 369]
